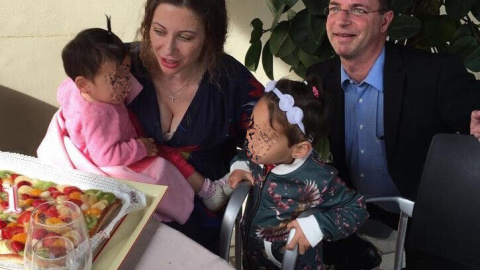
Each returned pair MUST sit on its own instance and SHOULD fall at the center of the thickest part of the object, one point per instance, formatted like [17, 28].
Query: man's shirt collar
[374, 76]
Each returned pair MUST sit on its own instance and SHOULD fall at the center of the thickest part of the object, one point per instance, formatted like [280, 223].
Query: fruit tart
[97, 207]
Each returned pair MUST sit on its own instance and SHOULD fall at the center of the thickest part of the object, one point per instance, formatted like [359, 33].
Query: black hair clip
[109, 24]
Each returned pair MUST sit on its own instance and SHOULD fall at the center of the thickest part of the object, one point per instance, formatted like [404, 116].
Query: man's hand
[299, 238]
[475, 124]
[239, 175]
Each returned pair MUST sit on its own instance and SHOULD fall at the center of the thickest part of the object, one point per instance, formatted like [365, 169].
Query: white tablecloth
[161, 247]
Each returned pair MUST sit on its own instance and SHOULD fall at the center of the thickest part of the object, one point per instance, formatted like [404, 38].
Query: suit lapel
[394, 80]
[338, 111]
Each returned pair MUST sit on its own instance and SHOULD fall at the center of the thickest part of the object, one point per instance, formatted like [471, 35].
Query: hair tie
[109, 24]
[286, 104]
[315, 91]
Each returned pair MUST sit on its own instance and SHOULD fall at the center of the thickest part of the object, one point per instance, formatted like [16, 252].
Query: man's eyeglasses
[356, 11]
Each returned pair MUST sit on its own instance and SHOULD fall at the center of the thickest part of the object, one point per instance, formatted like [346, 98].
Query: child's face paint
[120, 82]
[112, 84]
[265, 144]
[260, 139]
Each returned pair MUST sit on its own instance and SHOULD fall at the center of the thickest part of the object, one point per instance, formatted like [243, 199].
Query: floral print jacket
[280, 195]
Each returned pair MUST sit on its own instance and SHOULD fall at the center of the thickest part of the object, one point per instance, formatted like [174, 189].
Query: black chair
[443, 232]
[445, 224]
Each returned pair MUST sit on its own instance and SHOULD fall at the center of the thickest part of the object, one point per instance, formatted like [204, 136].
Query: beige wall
[33, 33]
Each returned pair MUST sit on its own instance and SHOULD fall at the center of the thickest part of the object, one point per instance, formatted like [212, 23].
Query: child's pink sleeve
[103, 130]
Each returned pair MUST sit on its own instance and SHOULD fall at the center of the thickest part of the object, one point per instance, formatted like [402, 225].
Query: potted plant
[299, 38]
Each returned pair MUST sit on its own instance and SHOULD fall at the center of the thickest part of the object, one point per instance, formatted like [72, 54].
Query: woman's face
[177, 36]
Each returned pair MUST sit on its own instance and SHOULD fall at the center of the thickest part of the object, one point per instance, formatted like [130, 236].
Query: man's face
[356, 34]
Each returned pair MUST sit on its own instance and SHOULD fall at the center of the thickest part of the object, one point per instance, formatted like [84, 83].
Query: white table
[161, 247]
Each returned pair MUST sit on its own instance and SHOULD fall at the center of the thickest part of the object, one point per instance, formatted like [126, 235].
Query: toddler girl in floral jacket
[289, 178]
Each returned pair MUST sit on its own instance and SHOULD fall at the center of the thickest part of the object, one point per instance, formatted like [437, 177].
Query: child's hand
[475, 124]
[299, 238]
[238, 176]
[150, 145]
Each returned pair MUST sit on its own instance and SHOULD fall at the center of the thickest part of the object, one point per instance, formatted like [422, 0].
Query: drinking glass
[53, 253]
[59, 218]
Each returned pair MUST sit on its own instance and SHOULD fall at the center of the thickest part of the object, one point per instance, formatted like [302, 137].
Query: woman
[196, 98]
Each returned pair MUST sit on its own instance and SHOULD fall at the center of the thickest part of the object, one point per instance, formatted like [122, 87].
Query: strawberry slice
[58, 251]
[52, 211]
[3, 224]
[70, 189]
[39, 233]
[3, 205]
[23, 183]
[17, 246]
[51, 241]
[77, 202]
[55, 193]
[37, 202]
[24, 217]
[9, 232]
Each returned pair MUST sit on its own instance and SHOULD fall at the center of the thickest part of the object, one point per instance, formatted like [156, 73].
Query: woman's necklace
[174, 94]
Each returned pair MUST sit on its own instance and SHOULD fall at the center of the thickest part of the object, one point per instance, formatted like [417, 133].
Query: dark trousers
[415, 259]
[350, 248]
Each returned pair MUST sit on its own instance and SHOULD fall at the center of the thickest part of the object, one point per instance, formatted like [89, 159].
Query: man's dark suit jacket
[424, 94]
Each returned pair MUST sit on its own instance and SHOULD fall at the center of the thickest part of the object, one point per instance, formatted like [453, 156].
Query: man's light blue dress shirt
[364, 133]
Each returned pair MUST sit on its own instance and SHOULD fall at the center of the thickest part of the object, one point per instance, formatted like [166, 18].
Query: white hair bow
[286, 104]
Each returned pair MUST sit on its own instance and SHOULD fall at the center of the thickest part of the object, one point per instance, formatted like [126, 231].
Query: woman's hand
[150, 146]
[176, 158]
[239, 175]
[299, 238]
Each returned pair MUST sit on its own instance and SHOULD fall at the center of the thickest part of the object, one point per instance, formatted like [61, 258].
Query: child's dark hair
[92, 47]
[312, 104]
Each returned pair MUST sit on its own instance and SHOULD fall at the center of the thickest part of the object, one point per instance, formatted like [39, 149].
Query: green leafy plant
[299, 38]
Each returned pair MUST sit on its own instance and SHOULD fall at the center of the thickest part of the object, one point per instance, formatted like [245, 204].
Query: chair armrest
[290, 256]
[405, 205]
[406, 210]
[231, 212]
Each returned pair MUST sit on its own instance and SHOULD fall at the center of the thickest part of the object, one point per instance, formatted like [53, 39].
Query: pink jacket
[101, 131]
[57, 148]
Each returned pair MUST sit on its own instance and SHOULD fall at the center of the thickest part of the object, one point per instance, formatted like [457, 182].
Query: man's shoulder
[418, 57]
[326, 66]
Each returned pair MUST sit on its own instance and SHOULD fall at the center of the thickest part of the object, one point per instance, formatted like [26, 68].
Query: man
[388, 101]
